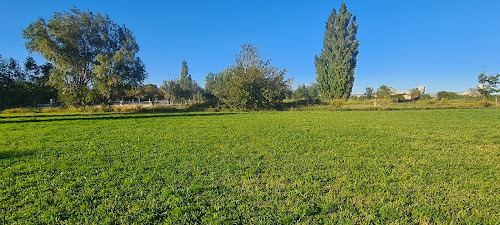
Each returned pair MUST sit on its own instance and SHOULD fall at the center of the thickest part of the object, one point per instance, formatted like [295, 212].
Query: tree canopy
[369, 92]
[252, 83]
[385, 91]
[93, 57]
[488, 84]
[184, 90]
[337, 61]
[24, 85]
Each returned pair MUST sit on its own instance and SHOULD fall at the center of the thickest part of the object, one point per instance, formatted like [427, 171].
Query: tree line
[92, 60]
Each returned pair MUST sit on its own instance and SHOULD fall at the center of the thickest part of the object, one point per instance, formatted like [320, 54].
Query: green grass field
[406, 167]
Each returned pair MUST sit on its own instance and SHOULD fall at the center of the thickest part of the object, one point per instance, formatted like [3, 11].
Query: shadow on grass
[2, 117]
[52, 118]
[15, 154]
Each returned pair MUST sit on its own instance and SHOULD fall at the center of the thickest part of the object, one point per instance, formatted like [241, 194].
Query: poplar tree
[185, 77]
[337, 61]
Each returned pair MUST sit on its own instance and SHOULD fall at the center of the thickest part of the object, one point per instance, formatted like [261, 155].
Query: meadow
[311, 167]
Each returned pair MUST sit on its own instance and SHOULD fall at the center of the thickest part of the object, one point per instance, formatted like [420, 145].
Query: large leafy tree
[337, 61]
[93, 58]
[252, 83]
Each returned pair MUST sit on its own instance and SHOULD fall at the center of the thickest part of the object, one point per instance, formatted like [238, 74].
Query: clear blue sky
[441, 44]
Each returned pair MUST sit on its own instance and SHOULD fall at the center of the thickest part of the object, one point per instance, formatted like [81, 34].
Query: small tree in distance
[385, 91]
[252, 83]
[488, 84]
[309, 92]
[415, 93]
[369, 92]
[183, 90]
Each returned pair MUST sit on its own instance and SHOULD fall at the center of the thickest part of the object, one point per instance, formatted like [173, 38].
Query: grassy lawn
[435, 166]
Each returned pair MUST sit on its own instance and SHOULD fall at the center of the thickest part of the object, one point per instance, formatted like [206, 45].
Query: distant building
[473, 91]
[407, 94]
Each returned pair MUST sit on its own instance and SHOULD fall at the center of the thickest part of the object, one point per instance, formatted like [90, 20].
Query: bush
[431, 102]
[21, 110]
[483, 103]
[448, 95]
[425, 97]
[337, 103]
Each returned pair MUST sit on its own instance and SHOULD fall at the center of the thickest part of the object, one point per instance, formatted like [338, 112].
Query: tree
[210, 82]
[252, 83]
[385, 91]
[415, 93]
[335, 66]
[488, 84]
[300, 92]
[309, 92]
[172, 90]
[25, 85]
[184, 89]
[185, 77]
[151, 91]
[447, 95]
[92, 56]
[369, 92]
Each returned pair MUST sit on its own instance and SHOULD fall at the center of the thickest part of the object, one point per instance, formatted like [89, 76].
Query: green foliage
[488, 84]
[369, 92]
[387, 167]
[183, 90]
[92, 56]
[484, 103]
[210, 85]
[309, 92]
[148, 91]
[337, 103]
[337, 61]
[385, 91]
[24, 86]
[447, 95]
[415, 93]
[425, 97]
[151, 91]
[252, 83]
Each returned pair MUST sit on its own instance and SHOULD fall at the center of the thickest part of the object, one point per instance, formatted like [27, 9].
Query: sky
[441, 44]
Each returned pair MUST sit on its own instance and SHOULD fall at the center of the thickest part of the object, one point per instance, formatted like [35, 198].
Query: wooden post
[375, 103]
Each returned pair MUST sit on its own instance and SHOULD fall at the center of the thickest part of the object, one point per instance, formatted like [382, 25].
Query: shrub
[448, 95]
[483, 103]
[425, 97]
[337, 103]
[431, 102]
[21, 110]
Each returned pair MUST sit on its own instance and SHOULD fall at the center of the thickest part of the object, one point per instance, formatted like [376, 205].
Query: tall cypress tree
[335, 66]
